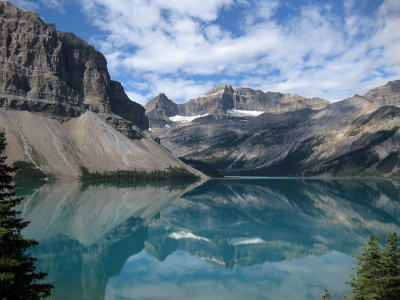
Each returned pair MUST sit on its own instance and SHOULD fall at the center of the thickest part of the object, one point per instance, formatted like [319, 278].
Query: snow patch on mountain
[244, 113]
[186, 119]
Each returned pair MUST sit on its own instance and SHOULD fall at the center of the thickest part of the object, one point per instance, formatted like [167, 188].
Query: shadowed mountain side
[356, 136]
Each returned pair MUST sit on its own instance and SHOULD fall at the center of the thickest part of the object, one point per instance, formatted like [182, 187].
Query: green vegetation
[167, 185]
[28, 172]
[377, 272]
[170, 174]
[377, 275]
[18, 279]
[355, 131]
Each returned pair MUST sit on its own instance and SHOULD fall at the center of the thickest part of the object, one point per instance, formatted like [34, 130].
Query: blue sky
[329, 49]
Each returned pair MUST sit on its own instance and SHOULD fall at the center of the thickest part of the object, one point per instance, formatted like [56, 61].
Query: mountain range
[245, 132]
[223, 100]
[61, 110]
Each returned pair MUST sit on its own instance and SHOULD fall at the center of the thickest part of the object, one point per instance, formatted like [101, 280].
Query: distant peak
[161, 100]
[220, 89]
[162, 97]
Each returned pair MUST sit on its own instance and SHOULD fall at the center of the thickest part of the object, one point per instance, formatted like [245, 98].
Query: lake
[220, 239]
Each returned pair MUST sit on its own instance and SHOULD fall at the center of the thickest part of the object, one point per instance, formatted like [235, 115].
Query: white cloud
[138, 98]
[54, 4]
[177, 89]
[168, 44]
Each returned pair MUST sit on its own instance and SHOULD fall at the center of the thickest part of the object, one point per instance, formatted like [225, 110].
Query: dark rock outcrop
[58, 74]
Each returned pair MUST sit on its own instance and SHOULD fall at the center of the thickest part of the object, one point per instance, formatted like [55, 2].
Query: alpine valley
[240, 131]
[60, 111]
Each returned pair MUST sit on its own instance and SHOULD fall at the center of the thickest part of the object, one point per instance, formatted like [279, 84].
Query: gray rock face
[356, 136]
[160, 109]
[60, 109]
[58, 74]
[219, 100]
[387, 94]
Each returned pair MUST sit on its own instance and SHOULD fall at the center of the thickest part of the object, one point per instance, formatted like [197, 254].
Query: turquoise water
[222, 239]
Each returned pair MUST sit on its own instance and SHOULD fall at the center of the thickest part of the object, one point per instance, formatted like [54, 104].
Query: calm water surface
[222, 239]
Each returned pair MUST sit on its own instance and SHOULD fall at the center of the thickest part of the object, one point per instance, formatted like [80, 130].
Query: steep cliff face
[60, 109]
[58, 74]
[220, 100]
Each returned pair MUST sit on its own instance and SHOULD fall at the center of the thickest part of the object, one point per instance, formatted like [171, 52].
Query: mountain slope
[61, 148]
[356, 136]
[61, 110]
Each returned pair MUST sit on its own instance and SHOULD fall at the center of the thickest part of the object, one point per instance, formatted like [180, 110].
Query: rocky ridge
[356, 136]
[219, 100]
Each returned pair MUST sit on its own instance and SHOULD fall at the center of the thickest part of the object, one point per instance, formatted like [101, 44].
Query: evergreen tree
[390, 264]
[326, 295]
[366, 283]
[18, 279]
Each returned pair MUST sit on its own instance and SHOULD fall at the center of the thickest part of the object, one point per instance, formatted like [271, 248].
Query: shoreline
[303, 178]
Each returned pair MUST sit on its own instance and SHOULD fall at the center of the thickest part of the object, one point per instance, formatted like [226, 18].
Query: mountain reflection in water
[222, 239]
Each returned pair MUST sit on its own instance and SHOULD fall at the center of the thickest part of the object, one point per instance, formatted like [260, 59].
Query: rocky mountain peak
[161, 101]
[58, 74]
[162, 98]
[220, 89]
[162, 108]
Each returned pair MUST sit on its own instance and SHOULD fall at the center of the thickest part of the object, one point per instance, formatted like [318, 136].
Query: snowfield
[185, 119]
[244, 113]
